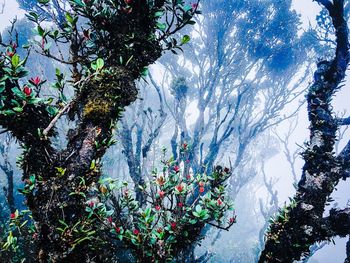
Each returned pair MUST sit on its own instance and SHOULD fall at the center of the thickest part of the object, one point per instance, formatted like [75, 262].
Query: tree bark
[302, 224]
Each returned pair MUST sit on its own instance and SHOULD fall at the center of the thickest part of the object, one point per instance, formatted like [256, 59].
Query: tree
[302, 223]
[238, 88]
[59, 181]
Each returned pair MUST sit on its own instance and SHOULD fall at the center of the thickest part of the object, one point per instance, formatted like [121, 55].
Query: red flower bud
[219, 202]
[91, 204]
[10, 53]
[128, 2]
[180, 188]
[176, 169]
[227, 170]
[12, 216]
[180, 204]
[27, 90]
[157, 207]
[86, 34]
[110, 220]
[173, 225]
[232, 220]
[159, 230]
[136, 232]
[117, 229]
[161, 194]
[201, 189]
[194, 6]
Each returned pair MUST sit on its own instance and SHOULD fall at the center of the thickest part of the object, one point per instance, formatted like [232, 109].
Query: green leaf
[100, 63]
[185, 39]
[18, 109]
[161, 26]
[198, 208]
[43, 2]
[40, 30]
[79, 3]
[158, 14]
[144, 72]
[15, 60]
[52, 110]
[69, 18]
[18, 93]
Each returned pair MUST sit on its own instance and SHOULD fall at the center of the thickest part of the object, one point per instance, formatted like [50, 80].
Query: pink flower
[110, 220]
[10, 53]
[176, 169]
[136, 232]
[36, 81]
[185, 146]
[12, 216]
[91, 204]
[159, 230]
[161, 194]
[173, 225]
[117, 229]
[201, 184]
[27, 90]
[194, 6]
[201, 189]
[180, 188]
[187, 161]
[126, 192]
[232, 220]
[180, 204]
[219, 202]
[157, 207]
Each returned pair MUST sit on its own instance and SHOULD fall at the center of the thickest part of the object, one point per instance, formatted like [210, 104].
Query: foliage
[178, 207]
[18, 236]
[105, 62]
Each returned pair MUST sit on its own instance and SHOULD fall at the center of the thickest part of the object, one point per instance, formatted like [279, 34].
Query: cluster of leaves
[17, 237]
[24, 92]
[178, 207]
[98, 33]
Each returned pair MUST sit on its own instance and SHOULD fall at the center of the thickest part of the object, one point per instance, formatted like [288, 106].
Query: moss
[106, 94]
[97, 109]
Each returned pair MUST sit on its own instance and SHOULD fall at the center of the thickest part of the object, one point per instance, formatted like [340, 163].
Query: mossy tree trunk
[302, 223]
[58, 183]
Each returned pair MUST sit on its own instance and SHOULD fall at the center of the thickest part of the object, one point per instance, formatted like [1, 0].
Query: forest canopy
[139, 131]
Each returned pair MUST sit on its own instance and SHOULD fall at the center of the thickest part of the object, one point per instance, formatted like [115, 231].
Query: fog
[264, 152]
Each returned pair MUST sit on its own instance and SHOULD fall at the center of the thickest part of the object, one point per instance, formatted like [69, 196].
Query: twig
[59, 114]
